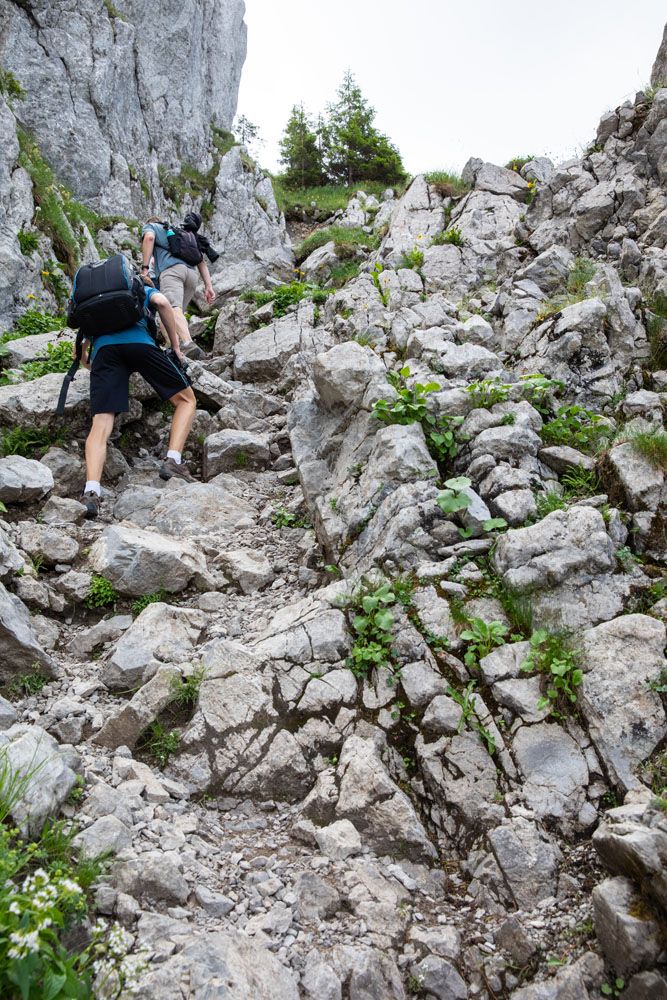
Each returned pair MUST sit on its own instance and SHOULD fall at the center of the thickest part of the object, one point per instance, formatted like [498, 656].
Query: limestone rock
[33, 754]
[343, 373]
[21, 647]
[144, 562]
[628, 935]
[23, 480]
[231, 449]
[160, 634]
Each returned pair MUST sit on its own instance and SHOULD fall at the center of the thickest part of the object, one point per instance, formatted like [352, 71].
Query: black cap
[192, 221]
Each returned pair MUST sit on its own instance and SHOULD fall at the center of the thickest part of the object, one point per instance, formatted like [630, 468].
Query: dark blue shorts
[111, 369]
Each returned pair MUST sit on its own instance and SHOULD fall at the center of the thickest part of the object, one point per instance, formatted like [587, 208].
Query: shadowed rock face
[659, 71]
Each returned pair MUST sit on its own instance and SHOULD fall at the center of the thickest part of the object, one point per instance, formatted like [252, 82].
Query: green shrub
[285, 296]
[343, 272]
[28, 683]
[466, 700]
[186, 690]
[345, 239]
[481, 638]
[282, 518]
[58, 359]
[453, 236]
[582, 270]
[50, 214]
[9, 85]
[538, 390]
[485, 393]
[552, 655]
[102, 593]
[142, 602]
[28, 242]
[410, 407]
[579, 482]
[575, 427]
[549, 501]
[372, 626]
[518, 162]
[223, 140]
[32, 322]
[161, 743]
[31, 442]
[447, 184]
[412, 259]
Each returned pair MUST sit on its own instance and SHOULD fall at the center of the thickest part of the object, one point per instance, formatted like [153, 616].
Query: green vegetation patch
[346, 240]
[447, 184]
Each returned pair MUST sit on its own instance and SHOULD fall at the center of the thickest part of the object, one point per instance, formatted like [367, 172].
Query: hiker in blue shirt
[177, 276]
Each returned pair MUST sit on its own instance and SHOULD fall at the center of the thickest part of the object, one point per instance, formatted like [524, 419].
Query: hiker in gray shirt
[177, 276]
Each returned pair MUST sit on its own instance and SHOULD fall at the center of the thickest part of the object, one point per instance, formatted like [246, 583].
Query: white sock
[93, 487]
[176, 455]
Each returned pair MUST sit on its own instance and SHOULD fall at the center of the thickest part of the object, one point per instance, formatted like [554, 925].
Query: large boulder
[44, 775]
[23, 480]
[144, 562]
[342, 374]
[566, 562]
[239, 966]
[626, 719]
[161, 634]
[22, 650]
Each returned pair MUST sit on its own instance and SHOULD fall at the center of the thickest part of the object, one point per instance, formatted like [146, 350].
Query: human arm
[209, 293]
[147, 246]
[160, 302]
[85, 353]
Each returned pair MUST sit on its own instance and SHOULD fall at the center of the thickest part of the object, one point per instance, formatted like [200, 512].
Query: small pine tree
[354, 149]
[245, 131]
[300, 152]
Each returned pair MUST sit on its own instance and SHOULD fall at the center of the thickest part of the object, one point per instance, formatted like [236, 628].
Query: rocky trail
[376, 709]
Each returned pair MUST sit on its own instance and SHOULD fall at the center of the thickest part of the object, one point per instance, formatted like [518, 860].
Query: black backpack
[183, 244]
[107, 297]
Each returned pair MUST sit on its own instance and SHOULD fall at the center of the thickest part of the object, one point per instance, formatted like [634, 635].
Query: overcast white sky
[449, 80]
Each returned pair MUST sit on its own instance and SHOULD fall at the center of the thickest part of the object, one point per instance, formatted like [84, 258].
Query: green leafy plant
[580, 482]
[28, 241]
[102, 593]
[538, 389]
[142, 602]
[31, 441]
[482, 637]
[410, 407]
[454, 498]
[552, 655]
[518, 162]
[613, 989]
[412, 259]
[58, 359]
[282, 518]
[582, 270]
[452, 236]
[548, 501]
[487, 392]
[626, 558]
[285, 296]
[382, 291]
[32, 322]
[10, 86]
[659, 685]
[29, 683]
[161, 743]
[466, 700]
[372, 626]
[576, 427]
[186, 689]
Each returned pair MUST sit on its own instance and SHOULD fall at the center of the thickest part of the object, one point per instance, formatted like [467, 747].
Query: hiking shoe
[171, 468]
[190, 350]
[91, 501]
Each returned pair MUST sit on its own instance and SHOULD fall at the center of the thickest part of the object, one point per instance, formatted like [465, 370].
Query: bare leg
[182, 326]
[96, 445]
[184, 404]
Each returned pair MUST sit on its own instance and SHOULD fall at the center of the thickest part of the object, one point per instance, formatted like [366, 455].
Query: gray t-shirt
[163, 257]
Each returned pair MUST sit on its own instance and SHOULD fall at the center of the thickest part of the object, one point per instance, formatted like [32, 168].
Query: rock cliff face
[409, 629]
[115, 91]
[111, 113]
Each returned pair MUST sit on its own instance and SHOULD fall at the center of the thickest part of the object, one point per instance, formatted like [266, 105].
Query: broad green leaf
[494, 522]
[384, 620]
[460, 483]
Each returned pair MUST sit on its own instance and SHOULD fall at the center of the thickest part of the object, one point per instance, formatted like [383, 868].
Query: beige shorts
[179, 283]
